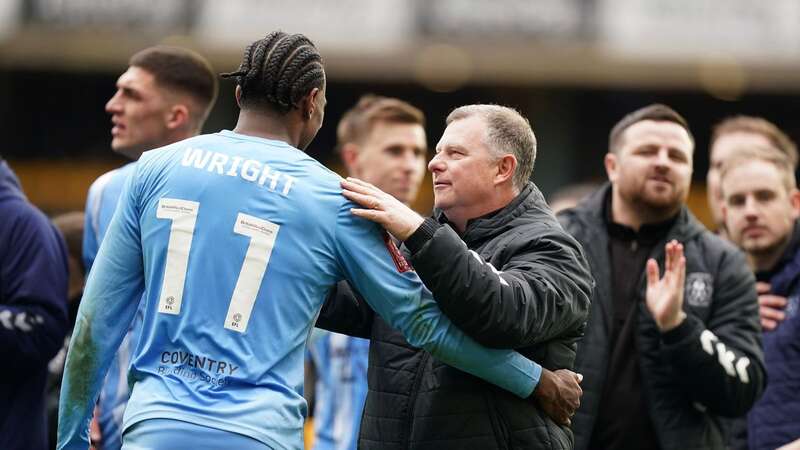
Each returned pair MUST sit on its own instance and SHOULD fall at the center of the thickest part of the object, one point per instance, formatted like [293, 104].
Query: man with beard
[663, 357]
[761, 208]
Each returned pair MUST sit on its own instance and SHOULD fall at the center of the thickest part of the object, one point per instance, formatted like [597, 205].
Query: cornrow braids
[278, 71]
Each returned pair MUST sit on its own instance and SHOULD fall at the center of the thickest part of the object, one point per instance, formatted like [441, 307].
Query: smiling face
[759, 209]
[464, 170]
[652, 168]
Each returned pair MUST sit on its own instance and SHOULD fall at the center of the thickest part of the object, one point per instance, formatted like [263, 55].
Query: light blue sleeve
[109, 303]
[402, 300]
[90, 242]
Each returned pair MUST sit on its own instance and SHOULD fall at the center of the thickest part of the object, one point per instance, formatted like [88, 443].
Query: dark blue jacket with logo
[775, 419]
[33, 314]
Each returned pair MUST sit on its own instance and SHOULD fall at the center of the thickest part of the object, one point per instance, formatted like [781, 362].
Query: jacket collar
[496, 222]
[592, 210]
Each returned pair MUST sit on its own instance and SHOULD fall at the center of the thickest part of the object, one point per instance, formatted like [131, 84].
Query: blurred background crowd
[573, 67]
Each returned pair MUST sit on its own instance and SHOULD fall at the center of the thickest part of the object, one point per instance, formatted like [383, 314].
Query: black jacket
[686, 385]
[514, 279]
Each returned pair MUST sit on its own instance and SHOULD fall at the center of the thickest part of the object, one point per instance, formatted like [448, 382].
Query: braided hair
[278, 71]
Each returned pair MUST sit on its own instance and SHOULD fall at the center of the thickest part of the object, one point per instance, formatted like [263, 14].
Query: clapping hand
[665, 295]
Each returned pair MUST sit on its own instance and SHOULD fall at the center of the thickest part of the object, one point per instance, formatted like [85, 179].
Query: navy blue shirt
[33, 313]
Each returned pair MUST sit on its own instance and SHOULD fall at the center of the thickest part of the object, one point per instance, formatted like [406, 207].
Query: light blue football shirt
[101, 202]
[235, 241]
[341, 364]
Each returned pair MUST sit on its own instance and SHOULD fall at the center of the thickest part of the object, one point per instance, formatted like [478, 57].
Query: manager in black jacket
[502, 269]
[662, 360]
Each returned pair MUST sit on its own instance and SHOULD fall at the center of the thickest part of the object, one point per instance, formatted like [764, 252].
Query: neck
[267, 125]
[768, 259]
[459, 216]
[635, 216]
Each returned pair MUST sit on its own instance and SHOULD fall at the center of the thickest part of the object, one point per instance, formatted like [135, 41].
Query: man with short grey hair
[502, 269]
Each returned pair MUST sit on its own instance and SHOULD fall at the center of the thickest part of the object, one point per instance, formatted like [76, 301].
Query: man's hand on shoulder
[559, 394]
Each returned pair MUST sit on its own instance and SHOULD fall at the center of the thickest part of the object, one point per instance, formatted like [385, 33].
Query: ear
[178, 116]
[309, 103]
[506, 167]
[350, 157]
[794, 197]
[238, 94]
[610, 162]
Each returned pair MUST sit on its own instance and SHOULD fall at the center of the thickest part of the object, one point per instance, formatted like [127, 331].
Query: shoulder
[23, 224]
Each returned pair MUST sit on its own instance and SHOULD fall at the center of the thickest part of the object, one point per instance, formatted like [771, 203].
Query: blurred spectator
[70, 225]
[163, 97]
[570, 196]
[33, 314]
[740, 132]
[661, 360]
[381, 141]
[761, 207]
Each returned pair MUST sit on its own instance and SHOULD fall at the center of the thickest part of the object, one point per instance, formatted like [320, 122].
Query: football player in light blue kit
[163, 97]
[235, 238]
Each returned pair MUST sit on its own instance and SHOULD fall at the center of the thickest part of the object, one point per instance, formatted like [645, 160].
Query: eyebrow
[451, 146]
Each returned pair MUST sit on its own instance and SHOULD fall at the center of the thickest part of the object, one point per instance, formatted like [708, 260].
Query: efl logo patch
[699, 289]
[398, 258]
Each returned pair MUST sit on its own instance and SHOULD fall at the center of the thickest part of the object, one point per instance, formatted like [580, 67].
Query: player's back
[237, 238]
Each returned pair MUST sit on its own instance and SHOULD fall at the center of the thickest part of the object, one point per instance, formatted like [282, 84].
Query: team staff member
[502, 268]
[663, 360]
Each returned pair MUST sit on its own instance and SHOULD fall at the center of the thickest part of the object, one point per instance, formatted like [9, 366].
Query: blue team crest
[699, 289]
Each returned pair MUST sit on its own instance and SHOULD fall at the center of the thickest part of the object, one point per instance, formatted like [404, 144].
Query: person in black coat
[664, 357]
[502, 269]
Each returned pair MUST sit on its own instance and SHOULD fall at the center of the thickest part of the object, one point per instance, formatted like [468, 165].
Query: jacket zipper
[412, 400]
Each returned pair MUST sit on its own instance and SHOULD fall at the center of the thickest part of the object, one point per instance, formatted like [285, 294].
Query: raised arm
[109, 304]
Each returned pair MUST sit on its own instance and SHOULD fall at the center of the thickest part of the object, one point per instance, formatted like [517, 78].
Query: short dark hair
[357, 123]
[180, 69]
[278, 71]
[757, 125]
[656, 112]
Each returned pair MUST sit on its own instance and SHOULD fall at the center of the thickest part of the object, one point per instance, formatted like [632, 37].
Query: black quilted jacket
[514, 279]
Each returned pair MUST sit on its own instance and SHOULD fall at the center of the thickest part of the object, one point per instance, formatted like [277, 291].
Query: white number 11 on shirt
[262, 234]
